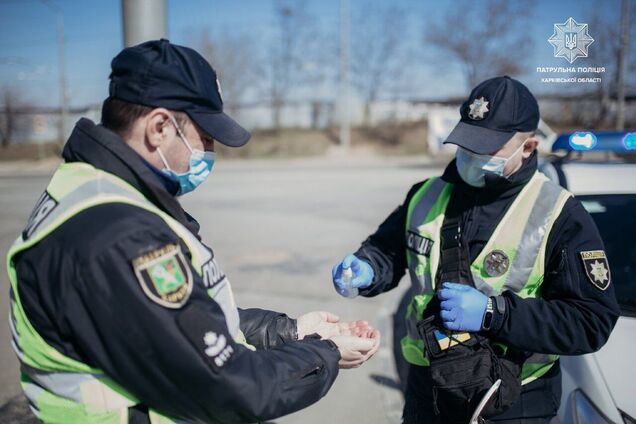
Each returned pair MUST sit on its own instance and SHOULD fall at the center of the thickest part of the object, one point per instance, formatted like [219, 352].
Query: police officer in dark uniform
[119, 311]
[498, 255]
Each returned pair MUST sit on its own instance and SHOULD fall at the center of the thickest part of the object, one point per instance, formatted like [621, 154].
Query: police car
[600, 169]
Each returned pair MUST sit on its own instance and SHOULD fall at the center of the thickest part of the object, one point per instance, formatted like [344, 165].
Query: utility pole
[144, 20]
[345, 130]
[61, 63]
[622, 58]
[63, 85]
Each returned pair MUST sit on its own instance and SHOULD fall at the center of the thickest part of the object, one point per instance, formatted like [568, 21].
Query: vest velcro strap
[453, 255]
[450, 237]
[451, 260]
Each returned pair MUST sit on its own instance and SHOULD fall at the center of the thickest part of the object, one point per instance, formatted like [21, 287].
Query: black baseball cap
[495, 110]
[161, 74]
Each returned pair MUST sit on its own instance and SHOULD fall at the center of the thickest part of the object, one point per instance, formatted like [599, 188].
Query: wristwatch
[490, 310]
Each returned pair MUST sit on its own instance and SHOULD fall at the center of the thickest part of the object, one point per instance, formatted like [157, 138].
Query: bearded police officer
[508, 271]
[119, 311]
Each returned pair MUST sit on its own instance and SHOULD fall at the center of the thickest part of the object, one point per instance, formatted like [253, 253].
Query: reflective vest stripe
[422, 207]
[430, 194]
[534, 210]
[521, 235]
[52, 408]
[59, 388]
[110, 190]
[32, 393]
[534, 234]
[65, 384]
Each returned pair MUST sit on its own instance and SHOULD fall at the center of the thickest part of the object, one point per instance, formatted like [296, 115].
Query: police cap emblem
[478, 109]
[496, 263]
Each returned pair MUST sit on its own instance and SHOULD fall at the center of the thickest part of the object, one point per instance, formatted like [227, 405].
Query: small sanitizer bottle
[347, 290]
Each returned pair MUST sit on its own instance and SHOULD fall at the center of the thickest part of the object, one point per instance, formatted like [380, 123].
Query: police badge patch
[496, 263]
[165, 276]
[597, 268]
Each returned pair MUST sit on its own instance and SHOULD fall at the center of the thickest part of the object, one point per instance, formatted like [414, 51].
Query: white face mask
[473, 167]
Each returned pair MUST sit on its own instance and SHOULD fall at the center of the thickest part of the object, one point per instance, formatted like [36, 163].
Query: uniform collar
[106, 150]
[169, 183]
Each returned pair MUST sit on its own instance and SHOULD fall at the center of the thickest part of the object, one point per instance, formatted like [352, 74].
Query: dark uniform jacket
[573, 316]
[80, 293]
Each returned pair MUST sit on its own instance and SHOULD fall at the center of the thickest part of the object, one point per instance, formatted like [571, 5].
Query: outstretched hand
[357, 341]
[356, 350]
[323, 323]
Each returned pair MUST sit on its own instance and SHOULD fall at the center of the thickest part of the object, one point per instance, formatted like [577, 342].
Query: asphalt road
[277, 228]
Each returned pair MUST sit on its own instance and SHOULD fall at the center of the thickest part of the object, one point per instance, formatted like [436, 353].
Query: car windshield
[614, 215]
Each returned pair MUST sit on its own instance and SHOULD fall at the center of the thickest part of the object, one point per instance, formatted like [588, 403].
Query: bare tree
[10, 104]
[234, 56]
[379, 54]
[294, 55]
[487, 40]
[606, 52]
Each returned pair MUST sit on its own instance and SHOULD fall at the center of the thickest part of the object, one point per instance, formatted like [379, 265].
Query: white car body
[606, 377]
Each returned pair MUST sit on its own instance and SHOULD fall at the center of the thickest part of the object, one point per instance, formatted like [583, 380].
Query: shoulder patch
[164, 276]
[597, 268]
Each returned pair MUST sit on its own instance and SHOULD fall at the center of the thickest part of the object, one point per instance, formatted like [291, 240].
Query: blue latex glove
[462, 307]
[362, 273]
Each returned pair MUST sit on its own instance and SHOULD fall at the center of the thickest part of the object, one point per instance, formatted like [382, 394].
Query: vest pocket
[456, 403]
[463, 374]
[459, 381]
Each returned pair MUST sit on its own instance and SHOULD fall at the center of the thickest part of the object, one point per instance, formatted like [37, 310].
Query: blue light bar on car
[597, 141]
[583, 141]
[629, 141]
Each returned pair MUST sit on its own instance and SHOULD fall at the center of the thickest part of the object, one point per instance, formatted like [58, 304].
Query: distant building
[39, 125]
[42, 125]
